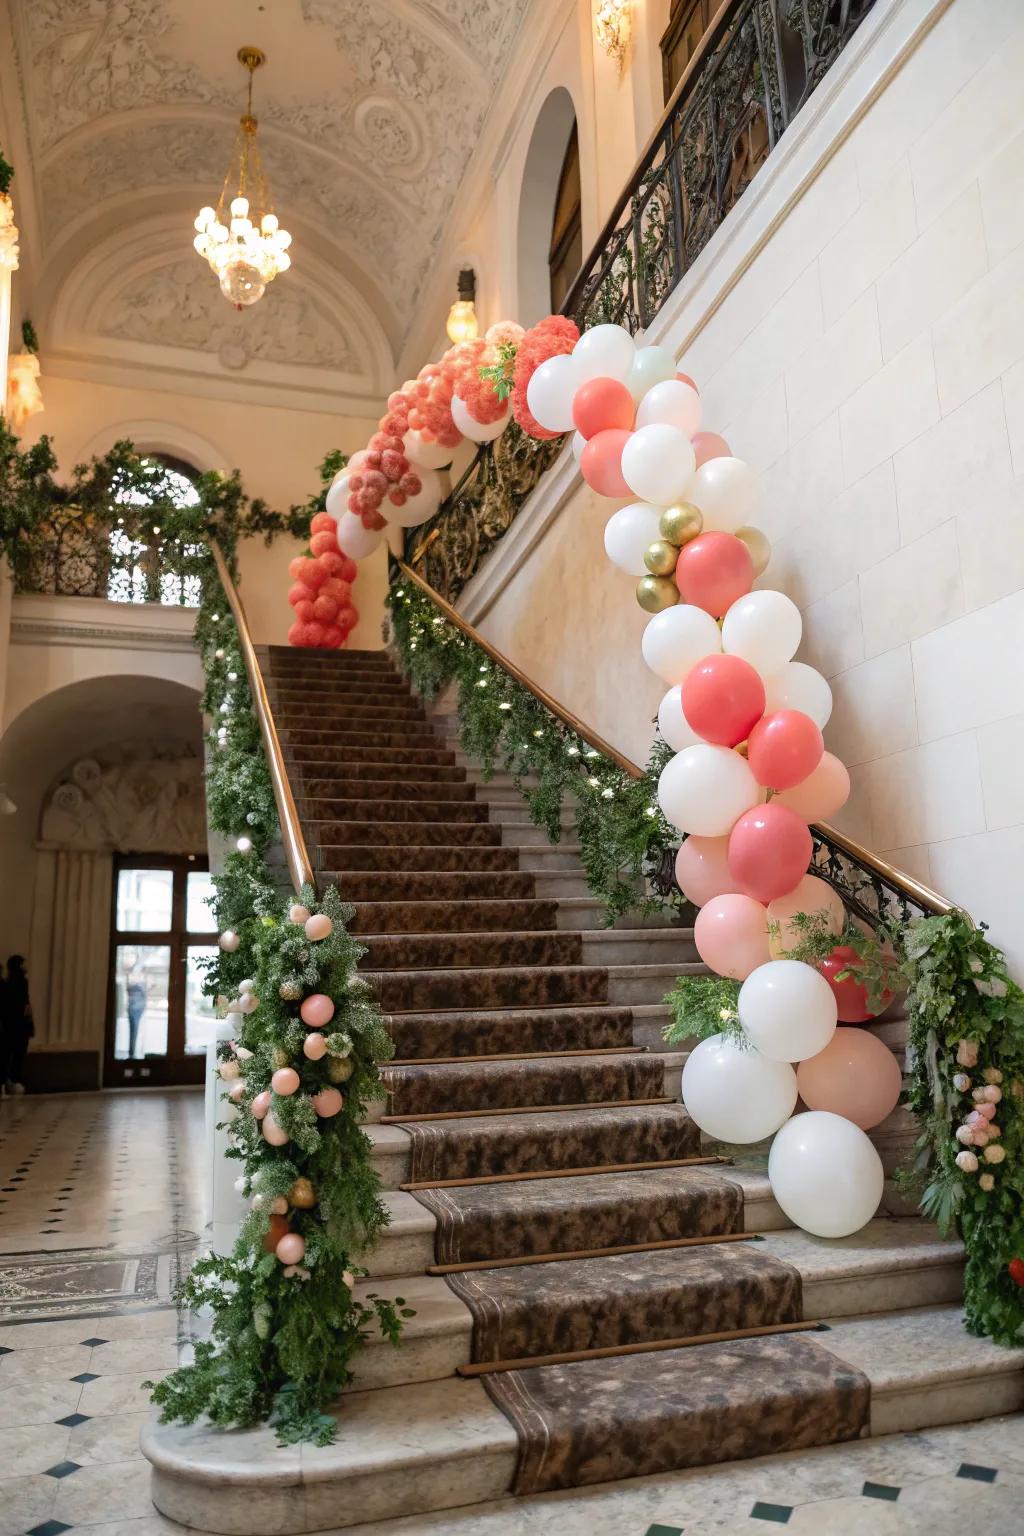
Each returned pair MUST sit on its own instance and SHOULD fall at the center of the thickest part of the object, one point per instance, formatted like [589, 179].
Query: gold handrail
[922, 895]
[299, 867]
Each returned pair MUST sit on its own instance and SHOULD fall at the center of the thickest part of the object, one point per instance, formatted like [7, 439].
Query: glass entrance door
[158, 1020]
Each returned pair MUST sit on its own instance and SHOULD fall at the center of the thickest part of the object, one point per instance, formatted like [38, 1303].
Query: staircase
[549, 1195]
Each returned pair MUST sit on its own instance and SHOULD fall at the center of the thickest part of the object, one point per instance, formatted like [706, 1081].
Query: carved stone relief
[135, 799]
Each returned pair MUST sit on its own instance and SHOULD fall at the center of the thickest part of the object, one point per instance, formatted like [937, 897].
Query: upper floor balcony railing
[756, 66]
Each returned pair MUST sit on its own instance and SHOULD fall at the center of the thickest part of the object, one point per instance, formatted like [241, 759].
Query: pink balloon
[602, 405]
[684, 378]
[723, 699]
[784, 748]
[769, 851]
[314, 1047]
[291, 1249]
[702, 869]
[327, 1102]
[601, 462]
[273, 1132]
[855, 1076]
[260, 1104]
[317, 1010]
[825, 791]
[708, 445]
[285, 1081]
[713, 571]
[731, 935]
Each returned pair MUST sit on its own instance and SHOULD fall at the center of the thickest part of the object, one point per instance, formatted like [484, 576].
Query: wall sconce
[462, 322]
[612, 27]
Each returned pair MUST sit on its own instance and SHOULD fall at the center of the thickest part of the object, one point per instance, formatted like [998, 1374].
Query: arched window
[565, 255]
[146, 570]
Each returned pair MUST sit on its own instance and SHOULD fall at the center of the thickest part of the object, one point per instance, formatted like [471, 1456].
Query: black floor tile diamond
[85, 1376]
[779, 1513]
[49, 1528]
[977, 1474]
[72, 1419]
[880, 1491]
[92, 1342]
[62, 1469]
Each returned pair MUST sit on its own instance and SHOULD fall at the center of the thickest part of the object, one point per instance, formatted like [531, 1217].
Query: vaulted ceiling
[369, 111]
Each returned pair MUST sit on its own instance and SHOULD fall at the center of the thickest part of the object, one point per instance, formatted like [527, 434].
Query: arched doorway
[550, 180]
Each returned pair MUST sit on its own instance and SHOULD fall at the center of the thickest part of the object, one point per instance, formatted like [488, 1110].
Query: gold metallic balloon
[760, 549]
[680, 523]
[654, 593]
[302, 1195]
[340, 1069]
[660, 557]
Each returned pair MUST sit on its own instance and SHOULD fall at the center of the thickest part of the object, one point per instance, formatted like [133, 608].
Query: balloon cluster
[321, 590]
[554, 337]
[750, 772]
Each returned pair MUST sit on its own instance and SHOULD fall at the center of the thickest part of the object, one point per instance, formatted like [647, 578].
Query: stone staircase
[548, 1192]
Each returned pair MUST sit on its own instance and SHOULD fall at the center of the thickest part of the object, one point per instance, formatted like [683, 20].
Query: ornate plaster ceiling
[369, 113]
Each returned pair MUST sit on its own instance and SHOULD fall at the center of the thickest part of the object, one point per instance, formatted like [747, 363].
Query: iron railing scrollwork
[757, 65]
[75, 552]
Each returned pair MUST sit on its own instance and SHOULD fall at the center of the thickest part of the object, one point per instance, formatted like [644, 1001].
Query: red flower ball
[334, 563]
[322, 522]
[324, 543]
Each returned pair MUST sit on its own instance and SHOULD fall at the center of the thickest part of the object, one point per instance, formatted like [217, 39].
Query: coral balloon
[731, 935]
[602, 405]
[327, 1102]
[850, 994]
[274, 1133]
[675, 640]
[855, 1076]
[260, 1104]
[784, 748]
[702, 869]
[318, 927]
[275, 1231]
[787, 1010]
[723, 699]
[769, 850]
[813, 898]
[601, 462]
[285, 1081]
[314, 1047]
[317, 1010]
[324, 543]
[705, 789]
[825, 791]
[734, 1094]
[825, 1174]
[672, 723]
[714, 571]
[708, 445]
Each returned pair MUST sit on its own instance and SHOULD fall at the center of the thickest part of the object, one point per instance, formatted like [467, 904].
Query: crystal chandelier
[247, 248]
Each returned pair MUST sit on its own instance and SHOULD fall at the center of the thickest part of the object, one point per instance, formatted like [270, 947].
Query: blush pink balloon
[285, 1081]
[825, 790]
[601, 462]
[702, 869]
[769, 851]
[784, 748]
[236, 1093]
[260, 1104]
[713, 571]
[317, 1010]
[314, 1047]
[855, 1076]
[731, 935]
[327, 1102]
[708, 445]
[291, 1248]
[273, 1132]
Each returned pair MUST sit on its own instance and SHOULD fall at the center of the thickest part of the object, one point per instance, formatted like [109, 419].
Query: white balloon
[657, 464]
[603, 352]
[788, 1010]
[336, 500]
[677, 638]
[550, 392]
[727, 493]
[356, 461]
[627, 534]
[354, 539]
[423, 454]
[671, 404]
[651, 366]
[799, 686]
[825, 1174]
[735, 1094]
[478, 431]
[417, 508]
[579, 442]
[764, 628]
[704, 789]
[673, 724]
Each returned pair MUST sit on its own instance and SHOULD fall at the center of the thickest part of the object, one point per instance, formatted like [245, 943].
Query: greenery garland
[622, 834]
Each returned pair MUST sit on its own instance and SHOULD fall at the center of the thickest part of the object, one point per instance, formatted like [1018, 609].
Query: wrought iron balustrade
[75, 552]
[757, 65]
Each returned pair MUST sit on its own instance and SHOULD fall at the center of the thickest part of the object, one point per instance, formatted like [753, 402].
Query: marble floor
[101, 1206]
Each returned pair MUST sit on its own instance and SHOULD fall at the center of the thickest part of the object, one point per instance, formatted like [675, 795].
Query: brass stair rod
[299, 867]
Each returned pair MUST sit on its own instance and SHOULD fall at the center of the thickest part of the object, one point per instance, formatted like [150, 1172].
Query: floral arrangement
[549, 338]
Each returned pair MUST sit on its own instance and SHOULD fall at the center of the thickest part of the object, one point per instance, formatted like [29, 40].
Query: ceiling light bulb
[239, 207]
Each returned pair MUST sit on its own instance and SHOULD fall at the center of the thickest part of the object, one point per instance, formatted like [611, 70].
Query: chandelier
[245, 247]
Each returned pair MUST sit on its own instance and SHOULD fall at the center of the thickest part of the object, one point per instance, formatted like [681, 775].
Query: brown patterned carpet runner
[469, 962]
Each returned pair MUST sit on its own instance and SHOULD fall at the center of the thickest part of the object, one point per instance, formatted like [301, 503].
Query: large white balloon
[764, 628]
[355, 540]
[677, 638]
[825, 1174]
[657, 464]
[477, 431]
[736, 1094]
[336, 500]
[704, 789]
[787, 1009]
[603, 352]
[627, 534]
[651, 366]
[424, 454]
[417, 508]
[671, 404]
[727, 492]
[673, 724]
[550, 392]
[801, 687]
